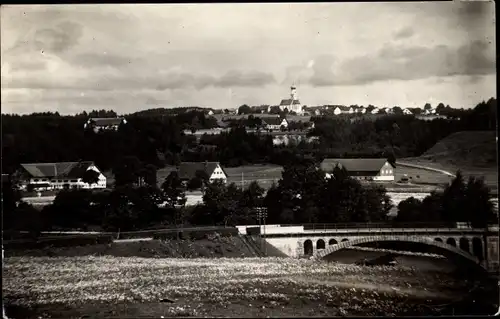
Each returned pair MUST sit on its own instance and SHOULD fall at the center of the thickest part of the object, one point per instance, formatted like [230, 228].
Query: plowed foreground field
[72, 287]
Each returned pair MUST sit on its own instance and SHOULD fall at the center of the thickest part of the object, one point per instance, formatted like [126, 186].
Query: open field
[264, 174]
[250, 287]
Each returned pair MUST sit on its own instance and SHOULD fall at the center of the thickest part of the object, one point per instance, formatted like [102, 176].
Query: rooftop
[106, 121]
[61, 169]
[354, 164]
[289, 102]
[187, 170]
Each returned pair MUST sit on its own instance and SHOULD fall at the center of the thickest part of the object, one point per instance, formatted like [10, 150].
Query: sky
[75, 58]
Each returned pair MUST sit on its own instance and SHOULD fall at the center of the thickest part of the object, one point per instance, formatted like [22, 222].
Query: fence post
[4, 316]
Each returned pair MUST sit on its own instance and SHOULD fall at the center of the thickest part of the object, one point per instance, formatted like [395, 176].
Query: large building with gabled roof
[50, 176]
[105, 123]
[369, 169]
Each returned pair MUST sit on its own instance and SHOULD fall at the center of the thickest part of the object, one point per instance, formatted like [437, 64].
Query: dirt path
[426, 168]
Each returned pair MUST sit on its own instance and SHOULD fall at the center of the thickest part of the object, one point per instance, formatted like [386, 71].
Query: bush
[197, 234]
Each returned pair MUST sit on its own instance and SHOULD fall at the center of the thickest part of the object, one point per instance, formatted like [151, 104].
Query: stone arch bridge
[479, 246]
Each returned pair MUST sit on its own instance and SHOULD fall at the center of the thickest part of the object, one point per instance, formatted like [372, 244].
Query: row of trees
[302, 195]
[460, 201]
[158, 140]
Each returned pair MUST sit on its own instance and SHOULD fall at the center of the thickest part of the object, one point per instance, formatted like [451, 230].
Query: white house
[105, 124]
[429, 112]
[275, 123]
[369, 169]
[52, 176]
[360, 110]
[407, 112]
[375, 111]
[187, 170]
[343, 110]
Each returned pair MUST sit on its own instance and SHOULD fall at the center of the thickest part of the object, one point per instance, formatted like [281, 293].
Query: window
[35, 180]
[74, 180]
[390, 171]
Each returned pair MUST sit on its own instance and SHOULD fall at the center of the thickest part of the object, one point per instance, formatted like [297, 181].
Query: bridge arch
[464, 244]
[308, 247]
[332, 242]
[320, 244]
[451, 241]
[450, 250]
[477, 248]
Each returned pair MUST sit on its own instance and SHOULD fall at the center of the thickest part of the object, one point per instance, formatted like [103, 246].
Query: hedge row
[196, 234]
[68, 241]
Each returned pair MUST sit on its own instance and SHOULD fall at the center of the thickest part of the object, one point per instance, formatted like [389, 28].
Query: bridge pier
[492, 244]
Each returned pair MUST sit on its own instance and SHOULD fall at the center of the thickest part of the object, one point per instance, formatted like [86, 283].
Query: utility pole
[261, 215]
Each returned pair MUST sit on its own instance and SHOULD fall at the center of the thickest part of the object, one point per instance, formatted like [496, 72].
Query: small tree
[409, 210]
[149, 174]
[173, 190]
[244, 109]
[90, 177]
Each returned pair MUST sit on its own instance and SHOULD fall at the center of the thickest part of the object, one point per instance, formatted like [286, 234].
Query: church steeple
[293, 92]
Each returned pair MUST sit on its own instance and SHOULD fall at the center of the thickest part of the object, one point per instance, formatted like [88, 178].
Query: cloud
[404, 33]
[249, 79]
[108, 80]
[395, 62]
[94, 60]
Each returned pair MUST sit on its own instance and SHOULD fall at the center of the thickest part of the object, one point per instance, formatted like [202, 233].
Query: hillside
[468, 149]
[472, 152]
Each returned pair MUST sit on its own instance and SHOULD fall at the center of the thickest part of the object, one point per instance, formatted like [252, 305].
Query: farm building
[376, 169]
[275, 123]
[52, 176]
[188, 170]
[105, 124]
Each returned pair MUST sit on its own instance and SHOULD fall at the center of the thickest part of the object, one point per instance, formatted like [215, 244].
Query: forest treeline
[156, 138]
